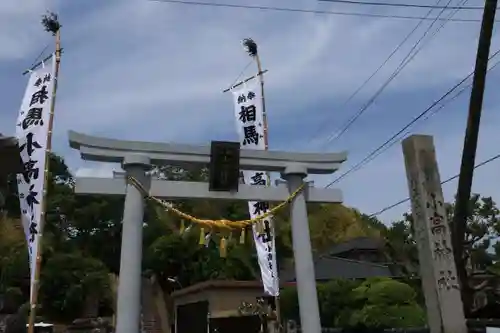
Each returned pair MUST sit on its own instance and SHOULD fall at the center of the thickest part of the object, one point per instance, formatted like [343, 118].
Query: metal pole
[470, 146]
[129, 284]
[304, 264]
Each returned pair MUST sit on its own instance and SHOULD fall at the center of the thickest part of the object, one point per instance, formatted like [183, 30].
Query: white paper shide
[250, 127]
[32, 132]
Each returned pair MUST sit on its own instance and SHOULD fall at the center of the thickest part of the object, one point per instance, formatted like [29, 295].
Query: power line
[491, 159]
[401, 66]
[407, 5]
[442, 106]
[363, 162]
[377, 71]
[432, 113]
[406, 60]
[408, 132]
[241, 73]
[298, 10]
[39, 55]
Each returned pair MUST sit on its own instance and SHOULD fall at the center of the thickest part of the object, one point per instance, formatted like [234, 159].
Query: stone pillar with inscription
[432, 234]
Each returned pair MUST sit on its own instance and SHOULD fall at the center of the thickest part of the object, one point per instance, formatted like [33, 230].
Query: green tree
[336, 300]
[67, 280]
[329, 224]
[385, 303]
[14, 271]
[289, 304]
[73, 232]
[374, 303]
[181, 257]
[482, 231]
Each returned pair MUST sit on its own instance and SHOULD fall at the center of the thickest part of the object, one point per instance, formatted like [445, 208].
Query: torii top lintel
[100, 149]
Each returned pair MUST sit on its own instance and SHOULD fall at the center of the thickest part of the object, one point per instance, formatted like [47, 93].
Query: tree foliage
[77, 227]
[68, 280]
[82, 235]
[482, 230]
[481, 249]
[374, 303]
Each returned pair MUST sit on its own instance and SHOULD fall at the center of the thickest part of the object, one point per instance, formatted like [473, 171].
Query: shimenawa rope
[221, 223]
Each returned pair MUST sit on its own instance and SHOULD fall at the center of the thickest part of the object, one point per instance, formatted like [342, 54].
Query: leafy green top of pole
[250, 46]
[51, 23]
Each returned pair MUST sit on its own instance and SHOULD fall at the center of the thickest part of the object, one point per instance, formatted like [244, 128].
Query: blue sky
[136, 69]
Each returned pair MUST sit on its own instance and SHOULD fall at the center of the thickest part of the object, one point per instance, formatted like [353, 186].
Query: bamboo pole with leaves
[253, 51]
[51, 24]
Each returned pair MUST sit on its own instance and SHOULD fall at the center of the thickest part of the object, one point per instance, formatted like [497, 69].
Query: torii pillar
[138, 157]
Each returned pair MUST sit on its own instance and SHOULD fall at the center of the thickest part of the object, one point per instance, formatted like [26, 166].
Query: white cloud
[139, 61]
[145, 70]
[99, 170]
[20, 23]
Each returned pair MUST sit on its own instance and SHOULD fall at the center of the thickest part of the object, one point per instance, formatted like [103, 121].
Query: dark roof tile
[328, 268]
[360, 243]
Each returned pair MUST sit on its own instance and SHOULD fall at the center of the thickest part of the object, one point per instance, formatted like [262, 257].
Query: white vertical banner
[250, 126]
[32, 131]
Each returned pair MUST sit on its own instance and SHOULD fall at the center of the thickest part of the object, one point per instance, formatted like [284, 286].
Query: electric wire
[406, 5]
[311, 11]
[379, 68]
[489, 160]
[409, 131]
[398, 70]
[414, 51]
[358, 14]
[429, 115]
[369, 158]
[241, 73]
[39, 55]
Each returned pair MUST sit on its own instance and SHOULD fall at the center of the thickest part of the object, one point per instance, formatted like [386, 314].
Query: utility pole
[469, 150]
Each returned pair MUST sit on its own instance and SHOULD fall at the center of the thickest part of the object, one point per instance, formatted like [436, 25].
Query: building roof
[7, 141]
[218, 284]
[328, 268]
[360, 243]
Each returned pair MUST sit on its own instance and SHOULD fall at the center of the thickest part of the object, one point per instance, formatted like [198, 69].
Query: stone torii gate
[138, 157]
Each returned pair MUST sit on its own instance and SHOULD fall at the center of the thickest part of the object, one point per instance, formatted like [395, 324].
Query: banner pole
[252, 49]
[250, 78]
[263, 100]
[266, 142]
[53, 27]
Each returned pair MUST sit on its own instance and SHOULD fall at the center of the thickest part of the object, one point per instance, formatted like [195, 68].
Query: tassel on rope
[202, 236]
[242, 236]
[226, 224]
[223, 248]
[182, 228]
[208, 237]
[259, 228]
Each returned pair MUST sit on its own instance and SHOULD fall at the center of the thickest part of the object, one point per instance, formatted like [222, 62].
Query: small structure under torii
[138, 157]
